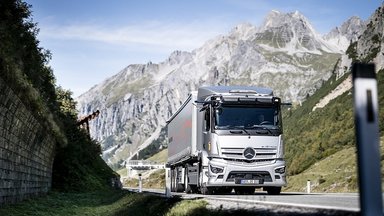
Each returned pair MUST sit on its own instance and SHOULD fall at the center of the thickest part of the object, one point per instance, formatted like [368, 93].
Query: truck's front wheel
[206, 190]
[273, 190]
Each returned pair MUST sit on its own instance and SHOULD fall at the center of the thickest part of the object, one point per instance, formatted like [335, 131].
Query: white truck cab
[227, 137]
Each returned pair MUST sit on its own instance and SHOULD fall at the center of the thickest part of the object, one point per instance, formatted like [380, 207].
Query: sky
[92, 40]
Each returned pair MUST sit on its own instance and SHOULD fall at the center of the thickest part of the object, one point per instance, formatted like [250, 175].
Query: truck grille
[253, 162]
[262, 154]
[259, 175]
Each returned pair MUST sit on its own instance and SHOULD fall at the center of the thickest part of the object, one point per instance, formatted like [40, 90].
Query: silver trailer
[227, 137]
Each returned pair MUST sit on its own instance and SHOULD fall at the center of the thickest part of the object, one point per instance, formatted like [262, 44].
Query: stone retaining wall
[26, 151]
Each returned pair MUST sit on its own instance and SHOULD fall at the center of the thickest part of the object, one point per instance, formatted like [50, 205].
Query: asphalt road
[346, 202]
[323, 201]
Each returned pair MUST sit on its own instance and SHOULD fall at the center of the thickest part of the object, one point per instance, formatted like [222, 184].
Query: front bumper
[235, 173]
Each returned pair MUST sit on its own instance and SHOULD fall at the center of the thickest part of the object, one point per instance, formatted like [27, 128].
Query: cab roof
[207, 91]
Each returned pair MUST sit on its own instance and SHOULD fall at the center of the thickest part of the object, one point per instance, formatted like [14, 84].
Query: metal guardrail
[143, 164]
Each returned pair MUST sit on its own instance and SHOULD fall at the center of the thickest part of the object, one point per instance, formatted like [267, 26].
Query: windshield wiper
[260, 127]
[241, 128]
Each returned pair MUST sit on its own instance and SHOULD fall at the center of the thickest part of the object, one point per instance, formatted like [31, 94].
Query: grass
[160, 157]
[122, 172]
[334, 174]
[186, 207]
[116, 203]
[98, 203]
[155, 179]
[119, 203]
[134, 87]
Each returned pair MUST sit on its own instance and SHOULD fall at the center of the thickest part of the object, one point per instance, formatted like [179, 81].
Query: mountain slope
[320, 144]
[285, 53]
[328, 131]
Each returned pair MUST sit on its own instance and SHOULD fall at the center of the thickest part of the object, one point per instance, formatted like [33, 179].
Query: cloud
[167, 35]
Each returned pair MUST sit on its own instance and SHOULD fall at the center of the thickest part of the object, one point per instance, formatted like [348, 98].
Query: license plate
[249, 181]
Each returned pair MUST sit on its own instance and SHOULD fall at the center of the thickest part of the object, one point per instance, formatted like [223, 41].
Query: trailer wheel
[179, 187]
[173, 184]
[188, 190]
[273, 190]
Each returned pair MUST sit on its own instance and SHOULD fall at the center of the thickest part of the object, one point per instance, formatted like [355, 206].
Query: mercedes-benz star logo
[249, 153]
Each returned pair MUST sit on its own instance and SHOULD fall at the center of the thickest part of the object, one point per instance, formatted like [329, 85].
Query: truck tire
[179, 188]
[273, 190]
[206, 190]
[188, 190]
[172, 179]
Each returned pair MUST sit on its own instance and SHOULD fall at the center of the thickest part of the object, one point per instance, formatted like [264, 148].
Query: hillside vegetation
[325, 136]
[24, 67]
[334, 174]
[313, 135]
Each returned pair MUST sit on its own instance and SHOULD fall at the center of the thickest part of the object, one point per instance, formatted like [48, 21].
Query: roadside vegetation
[152, 179]
[320, 144]
[311, 136]
[124, 203]
[334, 174]
[105, 202]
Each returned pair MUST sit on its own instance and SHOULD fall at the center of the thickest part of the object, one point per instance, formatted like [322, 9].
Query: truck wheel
[273, 190]
[206, 190]
[179, 188]
[188, 190]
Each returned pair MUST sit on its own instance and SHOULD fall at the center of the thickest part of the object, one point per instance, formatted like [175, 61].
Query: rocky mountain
[347, 33]
[368, 47]
[284, 53]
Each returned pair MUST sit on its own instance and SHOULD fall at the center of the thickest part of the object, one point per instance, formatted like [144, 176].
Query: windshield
[229, 117]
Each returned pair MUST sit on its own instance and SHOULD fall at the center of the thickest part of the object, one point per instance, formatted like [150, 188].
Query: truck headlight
[216, 169]
[280, 170]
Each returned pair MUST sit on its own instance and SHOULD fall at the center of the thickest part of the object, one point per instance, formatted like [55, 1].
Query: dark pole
[367, 138]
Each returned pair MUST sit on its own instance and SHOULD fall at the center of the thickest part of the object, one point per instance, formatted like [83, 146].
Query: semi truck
[226, 138]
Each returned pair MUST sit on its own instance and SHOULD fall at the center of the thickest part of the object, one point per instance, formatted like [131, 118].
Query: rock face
[348, 32]
[285, 54]
[369, 45]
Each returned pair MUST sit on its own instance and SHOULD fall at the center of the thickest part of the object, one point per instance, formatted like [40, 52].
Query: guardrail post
[367, 138]
[167, 182]
[140, 184]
